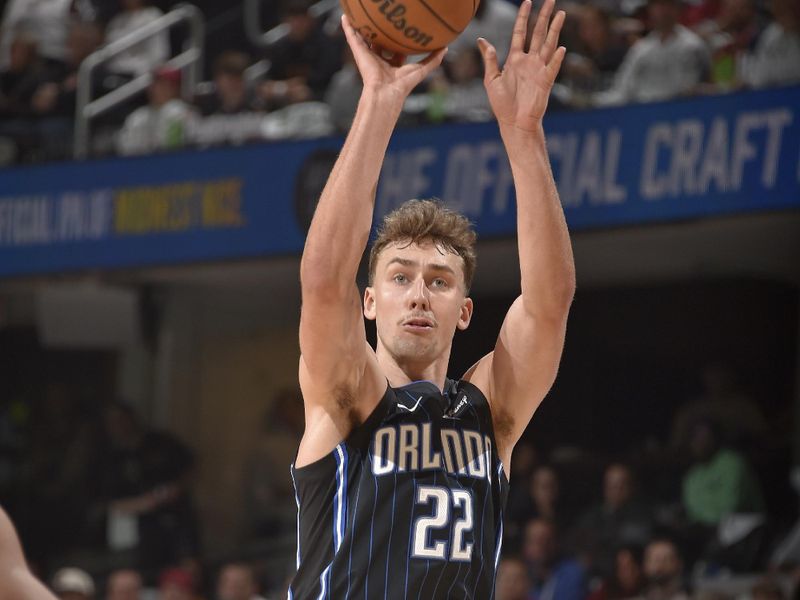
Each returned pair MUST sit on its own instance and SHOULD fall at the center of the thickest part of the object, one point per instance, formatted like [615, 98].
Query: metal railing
[188, 61]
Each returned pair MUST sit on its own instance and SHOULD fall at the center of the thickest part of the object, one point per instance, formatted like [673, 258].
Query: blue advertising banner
[614, 167]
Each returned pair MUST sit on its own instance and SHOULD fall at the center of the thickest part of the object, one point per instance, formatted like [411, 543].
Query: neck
[402, 371]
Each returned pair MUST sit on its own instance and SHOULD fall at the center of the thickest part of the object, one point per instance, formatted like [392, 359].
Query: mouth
[418, 324]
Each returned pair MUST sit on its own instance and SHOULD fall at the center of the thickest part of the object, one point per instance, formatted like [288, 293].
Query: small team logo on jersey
[453, 412]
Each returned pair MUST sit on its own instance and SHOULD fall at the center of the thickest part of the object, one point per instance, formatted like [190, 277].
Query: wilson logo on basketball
[394, 13]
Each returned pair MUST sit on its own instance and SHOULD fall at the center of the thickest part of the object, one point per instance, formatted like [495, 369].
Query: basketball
[410, 26]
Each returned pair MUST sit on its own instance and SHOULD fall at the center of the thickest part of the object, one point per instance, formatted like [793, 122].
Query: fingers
[491, 69]
[429, 64]
[542, 21]
[520, 27]
[554, 66]
[550, 43]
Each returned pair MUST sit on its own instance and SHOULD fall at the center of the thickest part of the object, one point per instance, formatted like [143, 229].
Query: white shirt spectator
[150, 128]
[776, 59]
[494, 25]
[46, 20]
[144, 56]
[657, 69]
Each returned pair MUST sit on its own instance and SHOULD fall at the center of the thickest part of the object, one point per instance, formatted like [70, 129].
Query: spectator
[175, 584]
[555, 577]
[237, 581]
[148, 54]
[591, 66]
[621, 519]
[23, 74]
[164, 124]
[627, 580]
[302, 63]
[230, 94]
[144, 478]
[663, 570]
[493, 20]
[73, 584]
[670, 61]
[270, 499]
[513, 582]
[776, 60]
[739, 418]
[344, 92]
[457, 93]
[124, 584]
[730, 36]
[720, 482]
[768, 589]
[55, 97]
[46, 20]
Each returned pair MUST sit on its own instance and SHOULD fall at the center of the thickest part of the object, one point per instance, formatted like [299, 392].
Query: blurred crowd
[105, 507]
[305, 85]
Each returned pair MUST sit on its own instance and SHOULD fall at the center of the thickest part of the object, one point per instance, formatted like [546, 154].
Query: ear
[369, 303]
[466, 314]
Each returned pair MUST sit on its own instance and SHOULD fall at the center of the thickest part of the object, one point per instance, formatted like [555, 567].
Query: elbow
[552, 302]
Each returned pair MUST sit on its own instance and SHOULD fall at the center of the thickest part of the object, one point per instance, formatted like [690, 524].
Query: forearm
[547, 266]
[345, 209]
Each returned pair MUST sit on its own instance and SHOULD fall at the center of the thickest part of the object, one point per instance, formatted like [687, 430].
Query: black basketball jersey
[410, 505]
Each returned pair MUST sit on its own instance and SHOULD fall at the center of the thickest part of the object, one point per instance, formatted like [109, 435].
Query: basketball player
[16, 581]
[402, 473]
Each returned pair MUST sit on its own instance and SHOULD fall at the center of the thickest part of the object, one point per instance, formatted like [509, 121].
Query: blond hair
[417, 221]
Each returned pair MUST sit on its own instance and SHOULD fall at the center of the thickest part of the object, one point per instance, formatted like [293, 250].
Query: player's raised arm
[16, 581]
[523, 366]
[335, 355]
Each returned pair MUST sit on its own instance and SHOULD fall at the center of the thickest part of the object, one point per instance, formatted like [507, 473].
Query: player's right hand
[388, 75]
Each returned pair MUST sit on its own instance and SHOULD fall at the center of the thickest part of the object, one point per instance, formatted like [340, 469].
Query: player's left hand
[519, 93]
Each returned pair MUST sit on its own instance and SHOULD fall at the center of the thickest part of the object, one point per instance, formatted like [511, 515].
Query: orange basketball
[410, 26]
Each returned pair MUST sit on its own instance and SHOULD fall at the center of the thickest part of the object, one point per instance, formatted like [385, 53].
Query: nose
[419, 299]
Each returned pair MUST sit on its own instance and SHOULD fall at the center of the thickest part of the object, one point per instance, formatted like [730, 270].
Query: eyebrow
[412, 263]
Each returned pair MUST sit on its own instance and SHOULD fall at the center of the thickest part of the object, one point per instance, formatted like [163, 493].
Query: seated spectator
[56, 95]
[175, 584]
[269, 494]
[776, 60]
[302, 63]
[722, 401]
[166, 121]
[621, 519]
[555, 577]
[720, 482]
[591, 66]
[124, 584]
[768, 589]
[144, 479]
[663, 571]
[513, 582]
[541, 502]
[344, 92]
[19, 80]
[458, 93]
[230, 94]
[47, 21]
[237, 581]
[493, 20]
[670, 61]
[73, 584]
[730, 36]
[628, 577]
[148, 54]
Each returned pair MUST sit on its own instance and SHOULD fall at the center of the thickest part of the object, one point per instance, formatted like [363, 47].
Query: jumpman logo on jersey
[412, 409]
[451, 414]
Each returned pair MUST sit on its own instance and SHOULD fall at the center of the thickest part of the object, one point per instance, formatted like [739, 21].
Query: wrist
[386, 100]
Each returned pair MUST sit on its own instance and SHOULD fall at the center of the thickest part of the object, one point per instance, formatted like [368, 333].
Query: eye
[439, 282]
[399, 278]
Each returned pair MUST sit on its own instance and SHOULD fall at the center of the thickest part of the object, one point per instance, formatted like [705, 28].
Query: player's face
[417, 300]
